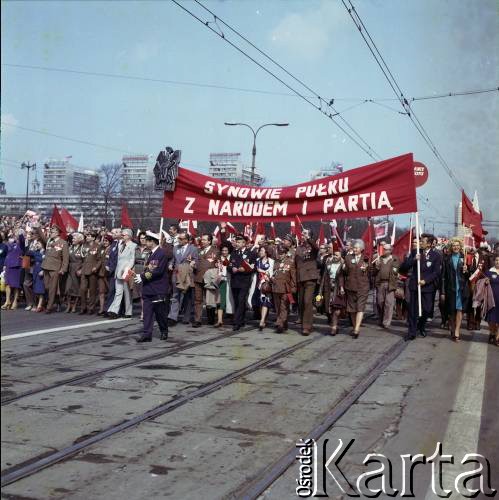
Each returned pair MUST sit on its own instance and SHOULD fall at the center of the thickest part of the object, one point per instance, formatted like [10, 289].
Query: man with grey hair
[386, 271]
[111, 267]
[125, 262]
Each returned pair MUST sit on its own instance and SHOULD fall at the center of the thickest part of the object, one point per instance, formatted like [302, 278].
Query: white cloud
[308, 34]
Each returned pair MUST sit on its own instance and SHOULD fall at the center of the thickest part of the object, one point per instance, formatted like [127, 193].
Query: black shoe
[128, 316]
[163, 336]
[236, 328]
[279, 329]
[171, 322]
[143, 339]
[422, 333]
[196, 324]
[111, 315]
[409, 337]
[81, 313]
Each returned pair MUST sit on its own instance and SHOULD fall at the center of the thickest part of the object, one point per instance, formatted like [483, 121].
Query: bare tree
[110, 186]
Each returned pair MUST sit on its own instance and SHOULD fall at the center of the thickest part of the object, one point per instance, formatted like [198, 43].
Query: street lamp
[254, 141]
[29, 167]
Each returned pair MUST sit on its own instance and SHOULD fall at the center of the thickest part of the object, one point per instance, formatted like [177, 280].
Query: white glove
[137, 278]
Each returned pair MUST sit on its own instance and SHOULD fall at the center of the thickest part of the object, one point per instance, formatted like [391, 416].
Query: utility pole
[28, 167]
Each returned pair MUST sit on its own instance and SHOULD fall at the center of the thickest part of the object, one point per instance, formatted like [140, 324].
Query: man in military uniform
[89, 274]
[155, 289]
[283, 286]
[54, 265]
[207, 259]
[307, 275]
[241, 267]
[431, 270]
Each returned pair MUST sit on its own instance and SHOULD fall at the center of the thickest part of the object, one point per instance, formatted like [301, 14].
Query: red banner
[382, 188]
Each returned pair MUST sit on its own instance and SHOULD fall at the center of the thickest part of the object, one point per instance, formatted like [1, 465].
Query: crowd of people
[176, 276]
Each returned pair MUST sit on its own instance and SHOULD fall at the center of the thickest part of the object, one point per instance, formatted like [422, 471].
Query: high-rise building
[60, 178]
[334, 169]
[137, 172]
[229, 167]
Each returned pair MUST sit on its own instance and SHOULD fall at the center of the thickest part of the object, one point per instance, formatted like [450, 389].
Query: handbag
[399, 293]
[339, 301]
[26, 263]
[266, 287]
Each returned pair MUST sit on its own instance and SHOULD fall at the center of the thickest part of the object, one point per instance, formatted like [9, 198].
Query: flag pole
[420, 313]
[161, 231]
[410, 235]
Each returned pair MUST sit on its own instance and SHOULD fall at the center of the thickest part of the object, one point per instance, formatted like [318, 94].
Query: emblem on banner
[166, 169]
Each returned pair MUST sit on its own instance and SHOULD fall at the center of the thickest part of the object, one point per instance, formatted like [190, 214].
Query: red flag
[192, 227]
[230, 228]
[248, 231]
[272, 231]
[296, 228]
[125, 218]
[321, 240]
[56, 220]
[403, 245]
[470, 217]
[68, 219]
[260, 228]
[368, 239]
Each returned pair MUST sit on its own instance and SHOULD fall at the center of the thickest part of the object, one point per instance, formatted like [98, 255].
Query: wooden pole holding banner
[161, 231]
[420, 308]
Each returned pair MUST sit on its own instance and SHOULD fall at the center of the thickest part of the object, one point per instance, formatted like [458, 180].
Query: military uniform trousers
[28, 287]
[51, 283]
[88, 285]
[281, 304]
[385, 300]
[306, 291]
[156, 306]
[415, 323]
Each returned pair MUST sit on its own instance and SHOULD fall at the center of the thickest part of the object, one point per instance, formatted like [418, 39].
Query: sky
[431, 46]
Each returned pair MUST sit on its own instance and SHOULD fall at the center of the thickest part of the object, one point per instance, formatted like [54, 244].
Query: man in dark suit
[155, 289]
[241, 267]
[431, 270]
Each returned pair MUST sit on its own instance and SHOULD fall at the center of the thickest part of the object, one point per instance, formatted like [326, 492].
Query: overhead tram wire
[397, 90]
[366, 148]
[322, 101]
[361, 100]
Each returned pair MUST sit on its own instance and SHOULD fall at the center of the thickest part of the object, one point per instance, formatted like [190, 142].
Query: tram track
[35, 464]
[261, 481]
[67, 345]
[97, 373]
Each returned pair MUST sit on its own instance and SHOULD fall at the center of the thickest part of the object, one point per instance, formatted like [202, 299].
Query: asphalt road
[235, 406]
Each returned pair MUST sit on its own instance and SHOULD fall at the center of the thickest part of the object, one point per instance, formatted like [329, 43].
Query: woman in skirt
[265, 270]
[38, 286]
[12, 268]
